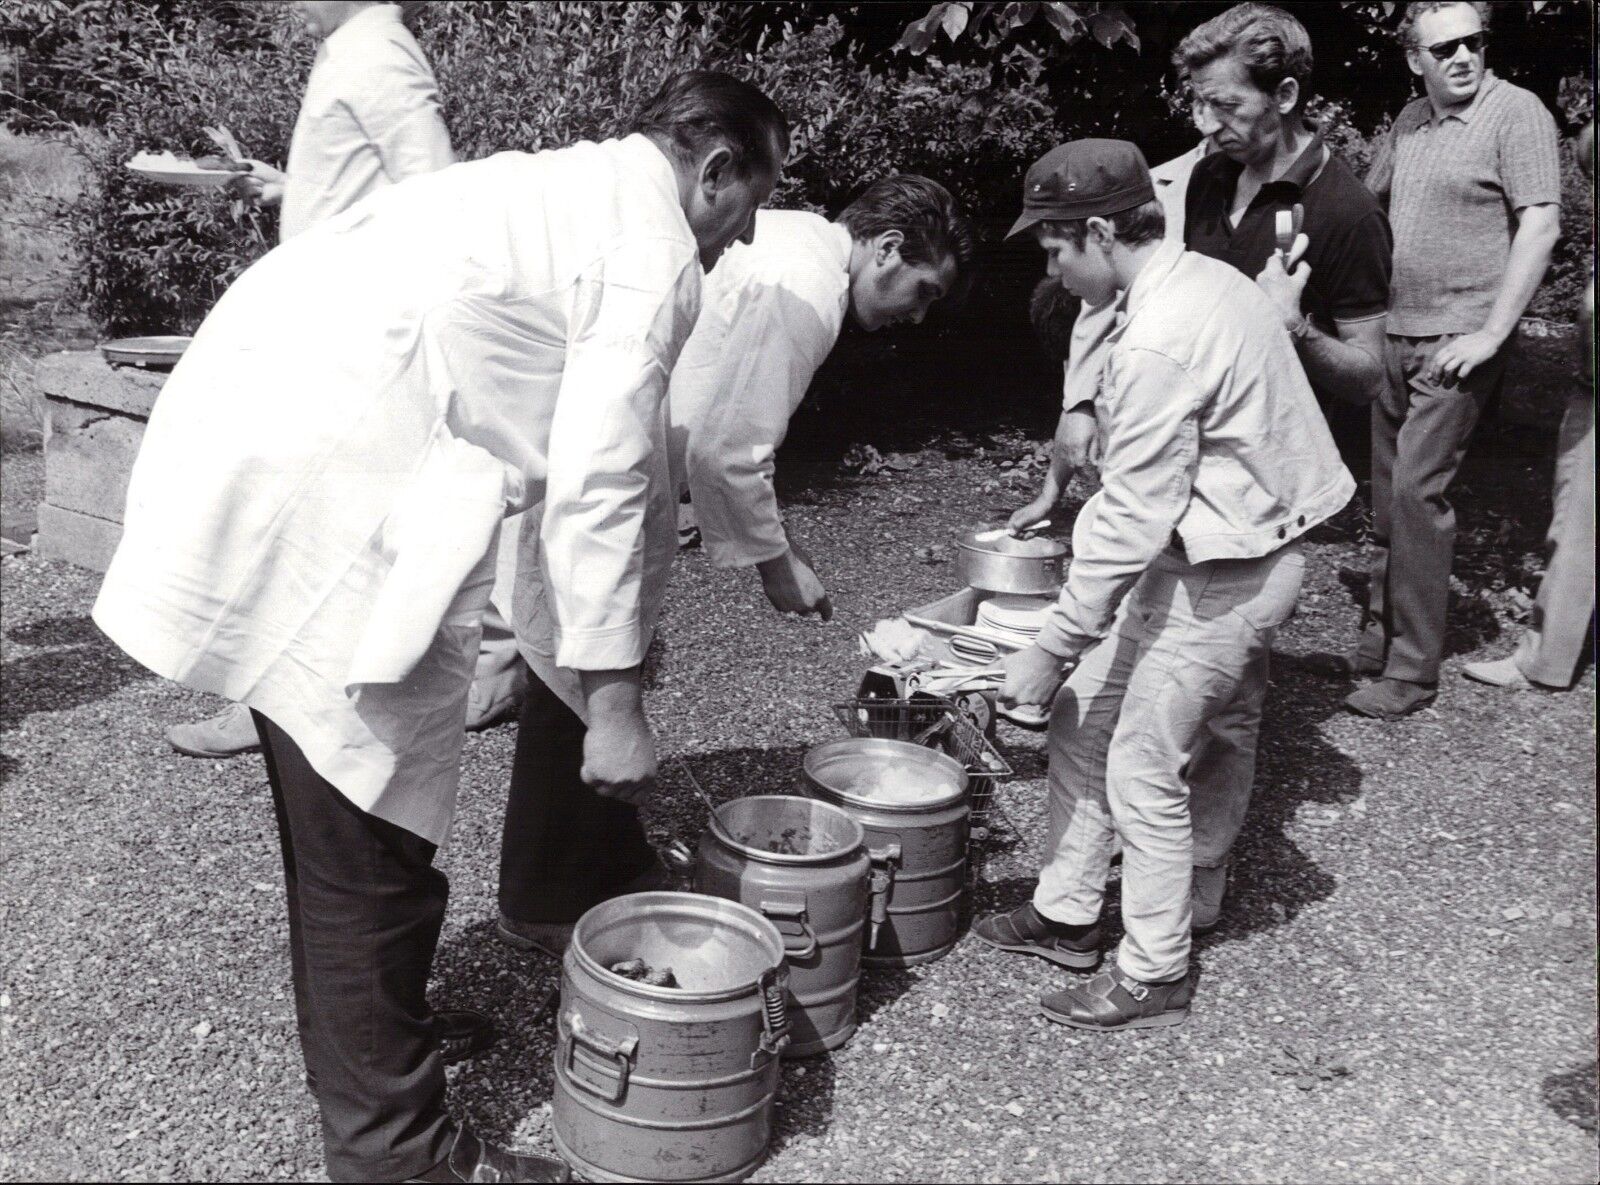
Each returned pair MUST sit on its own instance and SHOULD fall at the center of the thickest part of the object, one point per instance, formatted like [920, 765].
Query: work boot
[1027, 931]
[1390, 699]
[228, 733]
[1502, 672]
[553, 938]
[471, 1159]
[1112, 1001]
[1206, 891]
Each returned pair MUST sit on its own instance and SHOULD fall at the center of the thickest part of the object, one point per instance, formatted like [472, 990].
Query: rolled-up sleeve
[1152, 451]
[769, 353]
[607, 445]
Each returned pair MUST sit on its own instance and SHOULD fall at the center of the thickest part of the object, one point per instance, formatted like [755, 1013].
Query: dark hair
[924, 212]
[700, 109]
[1407, 32]
[1053, 310]
[1270, 43]
[1142, 224]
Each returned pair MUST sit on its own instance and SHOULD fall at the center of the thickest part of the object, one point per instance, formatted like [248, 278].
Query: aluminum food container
[1034, 566]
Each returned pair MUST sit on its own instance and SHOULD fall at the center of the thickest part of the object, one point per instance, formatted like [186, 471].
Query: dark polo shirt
[1350, 245]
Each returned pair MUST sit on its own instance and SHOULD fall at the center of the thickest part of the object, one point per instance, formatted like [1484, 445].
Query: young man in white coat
[312, 523]
[773, 309]
[370, 118]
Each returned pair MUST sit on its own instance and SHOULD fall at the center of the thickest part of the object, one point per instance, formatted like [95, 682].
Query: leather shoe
[1112, 1000]
[1027, 931]
[553, 938]
[463, 1033]
[1390, 699]
[1338, 666]
[1502, 672]
[1206, 891]
[471, 1159]
[224, 735]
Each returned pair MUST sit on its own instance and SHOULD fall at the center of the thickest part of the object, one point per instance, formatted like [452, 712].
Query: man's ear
[888, 244]
[1414, 60]
[1287, 95]
[716, 171]
[1099, 231]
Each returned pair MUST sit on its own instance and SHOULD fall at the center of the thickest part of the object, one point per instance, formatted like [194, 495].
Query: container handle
[774, 1014]
[792, 913]
[619, 1053]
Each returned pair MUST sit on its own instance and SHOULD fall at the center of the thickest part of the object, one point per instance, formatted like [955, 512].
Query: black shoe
[1353, 665]
[1027, 931]
[471, 1159]
[463, 1033]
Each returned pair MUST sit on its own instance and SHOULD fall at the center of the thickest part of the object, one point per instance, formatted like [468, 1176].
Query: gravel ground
[1403, 989]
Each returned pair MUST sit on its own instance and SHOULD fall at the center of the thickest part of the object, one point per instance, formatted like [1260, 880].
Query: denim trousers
[1152, 745]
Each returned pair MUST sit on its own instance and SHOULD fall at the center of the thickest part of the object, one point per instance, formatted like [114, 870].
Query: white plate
[166, 169]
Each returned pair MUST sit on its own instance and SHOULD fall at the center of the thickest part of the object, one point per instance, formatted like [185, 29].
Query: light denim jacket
[1210, 429]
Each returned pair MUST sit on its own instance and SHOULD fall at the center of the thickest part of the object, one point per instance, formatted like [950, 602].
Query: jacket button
[1302, 520]
[1283, 532]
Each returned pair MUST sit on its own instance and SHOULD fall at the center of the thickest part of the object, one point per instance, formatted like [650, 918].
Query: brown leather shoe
[228, 733]
[471, 1159]
[1112, 1001]
[1027, 931]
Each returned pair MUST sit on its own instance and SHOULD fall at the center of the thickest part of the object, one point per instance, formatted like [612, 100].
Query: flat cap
[1084, 179]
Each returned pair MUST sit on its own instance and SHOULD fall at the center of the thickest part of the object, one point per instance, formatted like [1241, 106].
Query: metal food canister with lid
[918, 848]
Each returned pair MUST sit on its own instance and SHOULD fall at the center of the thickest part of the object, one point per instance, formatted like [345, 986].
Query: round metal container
[669, 1084]
[918, 850]
[803, 865]
[1011, 565]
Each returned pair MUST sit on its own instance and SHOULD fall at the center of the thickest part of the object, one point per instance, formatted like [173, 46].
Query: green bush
[523, 76]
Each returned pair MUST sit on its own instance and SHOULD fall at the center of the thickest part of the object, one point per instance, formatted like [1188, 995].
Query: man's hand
[1080, 439]
[1285, 286]
[1036, 511]
[619, 752]
[1459, 357]
[261, 186]
[792, 585]
[1033, 676]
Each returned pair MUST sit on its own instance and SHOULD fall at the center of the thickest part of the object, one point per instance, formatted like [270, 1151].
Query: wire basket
[936, 722]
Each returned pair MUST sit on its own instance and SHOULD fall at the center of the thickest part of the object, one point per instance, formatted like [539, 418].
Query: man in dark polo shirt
[1248, 69]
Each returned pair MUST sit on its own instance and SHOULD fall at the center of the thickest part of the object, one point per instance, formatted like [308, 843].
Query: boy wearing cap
[1216, 461]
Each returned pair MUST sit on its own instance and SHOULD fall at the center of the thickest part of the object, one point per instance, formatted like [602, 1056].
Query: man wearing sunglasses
[1472, 181]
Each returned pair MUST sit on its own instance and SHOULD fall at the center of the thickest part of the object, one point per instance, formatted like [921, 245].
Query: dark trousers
[365, 908]
[565, 848]
[1419, 435]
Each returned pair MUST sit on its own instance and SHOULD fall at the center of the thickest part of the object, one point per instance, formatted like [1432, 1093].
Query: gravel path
[1403, 989]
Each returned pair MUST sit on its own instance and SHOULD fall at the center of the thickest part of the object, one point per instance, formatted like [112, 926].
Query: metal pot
[1010, 565]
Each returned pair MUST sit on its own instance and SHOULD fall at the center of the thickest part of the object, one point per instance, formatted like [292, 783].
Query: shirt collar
[1169, 171]
[1300, 174]
[1466, 112]
[1155, 270]
[655, 162]
[369, 19]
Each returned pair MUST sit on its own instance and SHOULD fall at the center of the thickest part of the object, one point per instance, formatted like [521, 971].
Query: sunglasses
[1443, 51]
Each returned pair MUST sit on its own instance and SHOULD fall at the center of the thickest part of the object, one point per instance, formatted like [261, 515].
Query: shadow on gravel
[805, 1099]
[1572, 1096]
[84, 667]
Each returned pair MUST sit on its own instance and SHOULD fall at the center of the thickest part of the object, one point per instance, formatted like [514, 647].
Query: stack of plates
[1013, 616]
[973, 650]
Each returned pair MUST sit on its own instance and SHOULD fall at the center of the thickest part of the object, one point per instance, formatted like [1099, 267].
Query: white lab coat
[773, 309]
[312, 519]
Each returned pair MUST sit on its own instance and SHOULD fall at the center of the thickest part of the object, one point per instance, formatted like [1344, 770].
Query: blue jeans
[1149, 739]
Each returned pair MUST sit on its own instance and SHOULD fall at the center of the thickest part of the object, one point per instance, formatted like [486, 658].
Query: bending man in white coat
[312, 524]
[773, 310]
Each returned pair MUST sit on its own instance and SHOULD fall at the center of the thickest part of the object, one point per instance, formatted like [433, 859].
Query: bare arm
[1349, 365]
[1538, 227]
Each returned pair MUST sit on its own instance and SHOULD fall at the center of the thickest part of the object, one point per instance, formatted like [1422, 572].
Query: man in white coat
[773, 310]
[369, 119]
[312, 522]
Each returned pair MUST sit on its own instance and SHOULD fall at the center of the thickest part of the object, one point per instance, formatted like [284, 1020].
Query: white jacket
[312, 517]
[773, 309]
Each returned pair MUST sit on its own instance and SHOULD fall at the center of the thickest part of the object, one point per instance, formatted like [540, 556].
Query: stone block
[89, 456]
[83, 376]
[77, 538]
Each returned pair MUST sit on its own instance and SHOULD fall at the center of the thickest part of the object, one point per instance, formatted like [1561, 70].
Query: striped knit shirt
[1453, 185]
